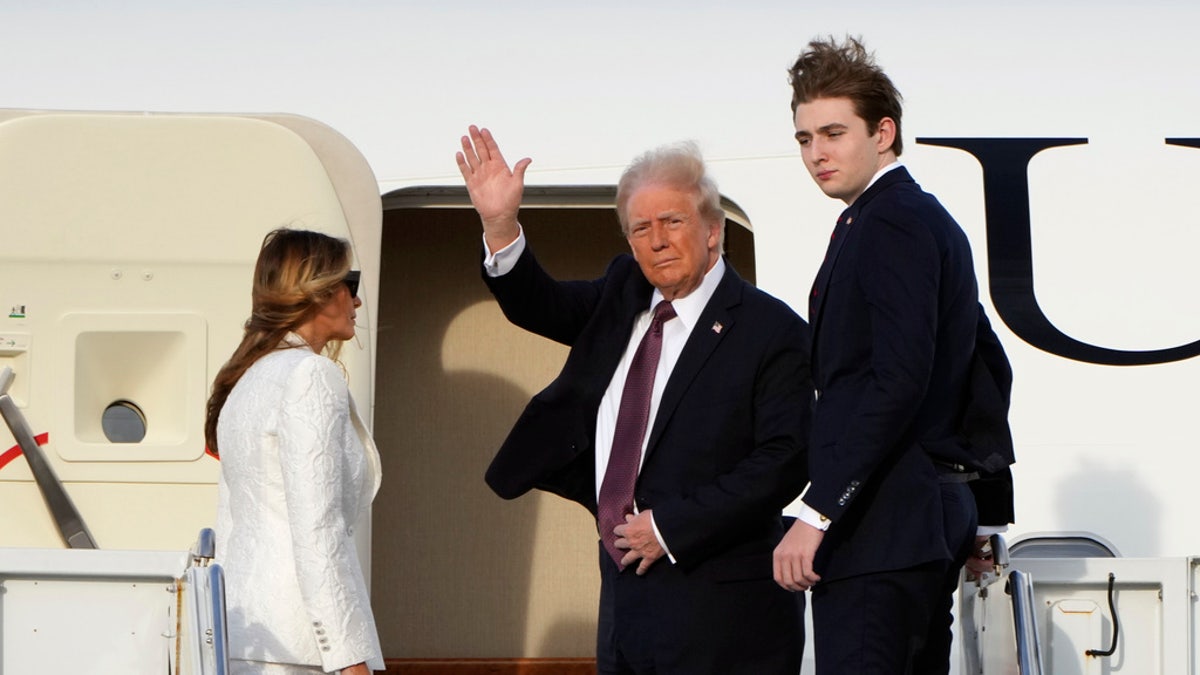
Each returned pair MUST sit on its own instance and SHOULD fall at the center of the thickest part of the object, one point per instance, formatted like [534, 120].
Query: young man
[885, 526]
[679, 419]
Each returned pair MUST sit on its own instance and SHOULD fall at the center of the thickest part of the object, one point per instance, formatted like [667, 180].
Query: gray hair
[679, 165]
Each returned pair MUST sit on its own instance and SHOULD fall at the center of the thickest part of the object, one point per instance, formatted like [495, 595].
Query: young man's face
[837, 150]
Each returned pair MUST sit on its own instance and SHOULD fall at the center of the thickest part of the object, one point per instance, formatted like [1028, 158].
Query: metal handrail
[1000, 557]
[1029, 651]
[205, 548]
[207, 635]
[71, 527]
[216, 598]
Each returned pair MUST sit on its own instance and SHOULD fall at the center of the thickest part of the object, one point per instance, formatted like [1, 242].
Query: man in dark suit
[885, 525]
[719, 438]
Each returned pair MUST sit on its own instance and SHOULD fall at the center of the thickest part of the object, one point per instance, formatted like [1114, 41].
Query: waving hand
[495, 190]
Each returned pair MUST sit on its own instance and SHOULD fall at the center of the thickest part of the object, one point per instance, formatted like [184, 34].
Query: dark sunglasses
[351, 281]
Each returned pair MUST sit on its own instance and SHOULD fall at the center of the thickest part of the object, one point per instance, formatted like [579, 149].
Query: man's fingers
[468, 156]
[478, 137]
[790, 573]
[788, 581]
[809, 577]
[783, 573]
[519, 169]
[463, 167]
[490, 149]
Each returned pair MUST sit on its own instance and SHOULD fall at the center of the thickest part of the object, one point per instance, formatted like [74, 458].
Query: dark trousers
[673, 623]
[874, 624]
[958, 506]
[895, 622]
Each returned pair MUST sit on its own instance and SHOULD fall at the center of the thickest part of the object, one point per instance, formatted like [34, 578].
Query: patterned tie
[616, 492]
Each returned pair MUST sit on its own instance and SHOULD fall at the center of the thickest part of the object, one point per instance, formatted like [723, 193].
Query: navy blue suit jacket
[894, 310]
[727, 449]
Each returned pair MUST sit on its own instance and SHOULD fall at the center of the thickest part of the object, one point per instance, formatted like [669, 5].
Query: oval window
[123, 422]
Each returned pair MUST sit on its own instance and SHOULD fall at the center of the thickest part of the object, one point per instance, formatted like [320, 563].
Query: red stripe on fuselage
[15, 451]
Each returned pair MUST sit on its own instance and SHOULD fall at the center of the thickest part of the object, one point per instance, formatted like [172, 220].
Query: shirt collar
[879, 174]
[689, 307]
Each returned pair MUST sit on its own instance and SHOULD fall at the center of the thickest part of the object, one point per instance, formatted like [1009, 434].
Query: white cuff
[813, 517]
[659, 537]
[501, 262]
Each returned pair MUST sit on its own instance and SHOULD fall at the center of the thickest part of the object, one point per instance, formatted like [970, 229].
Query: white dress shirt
[675, 336]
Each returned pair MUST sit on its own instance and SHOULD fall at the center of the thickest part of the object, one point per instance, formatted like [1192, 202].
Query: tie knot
[663, 312]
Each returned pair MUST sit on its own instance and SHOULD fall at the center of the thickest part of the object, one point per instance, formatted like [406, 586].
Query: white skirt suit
[298, 471]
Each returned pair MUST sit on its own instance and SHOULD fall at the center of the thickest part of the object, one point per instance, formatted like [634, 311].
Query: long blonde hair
[297, 272]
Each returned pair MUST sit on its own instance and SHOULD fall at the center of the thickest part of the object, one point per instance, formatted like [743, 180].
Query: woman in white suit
[298, 469]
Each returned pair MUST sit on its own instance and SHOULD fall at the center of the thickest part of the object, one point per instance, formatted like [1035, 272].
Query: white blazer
[298, 470]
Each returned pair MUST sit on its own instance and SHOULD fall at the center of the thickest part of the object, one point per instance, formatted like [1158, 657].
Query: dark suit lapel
[613, 324]
[714, 324]
[816, 300]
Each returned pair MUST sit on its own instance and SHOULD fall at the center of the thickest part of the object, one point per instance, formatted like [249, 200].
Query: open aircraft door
[127, 246]
[461, 573]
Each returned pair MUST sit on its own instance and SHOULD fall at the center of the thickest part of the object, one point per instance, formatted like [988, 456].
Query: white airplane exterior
[1061, 135]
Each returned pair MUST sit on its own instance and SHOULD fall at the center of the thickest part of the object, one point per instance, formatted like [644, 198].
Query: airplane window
[123, 422]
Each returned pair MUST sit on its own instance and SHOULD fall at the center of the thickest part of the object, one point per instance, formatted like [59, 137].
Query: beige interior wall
[457, 571]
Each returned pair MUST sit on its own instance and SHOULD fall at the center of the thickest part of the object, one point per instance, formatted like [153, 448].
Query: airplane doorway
[458, 572]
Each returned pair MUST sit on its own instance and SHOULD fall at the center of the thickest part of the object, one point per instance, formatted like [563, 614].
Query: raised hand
[495, 190]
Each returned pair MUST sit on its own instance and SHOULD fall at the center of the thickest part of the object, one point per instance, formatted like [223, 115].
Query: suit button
[350, 531]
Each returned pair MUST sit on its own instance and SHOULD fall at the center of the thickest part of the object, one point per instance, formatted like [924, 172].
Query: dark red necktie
[616, 492]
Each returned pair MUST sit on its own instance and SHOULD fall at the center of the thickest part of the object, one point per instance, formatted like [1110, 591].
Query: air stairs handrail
[204, 583]
[71, 527]
[1029, 652]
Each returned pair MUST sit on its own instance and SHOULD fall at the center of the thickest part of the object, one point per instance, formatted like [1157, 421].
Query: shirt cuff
[813, 517]
[989, 530]
[659, 537]
[501, 262]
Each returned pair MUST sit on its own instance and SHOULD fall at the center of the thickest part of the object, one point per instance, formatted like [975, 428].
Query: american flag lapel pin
[717, 327]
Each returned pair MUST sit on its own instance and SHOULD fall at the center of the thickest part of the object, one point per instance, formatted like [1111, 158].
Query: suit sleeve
[993, 494]
[773, 471]
[314, 424]
[988, 427]
[897, 274]
[531, 299]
